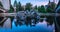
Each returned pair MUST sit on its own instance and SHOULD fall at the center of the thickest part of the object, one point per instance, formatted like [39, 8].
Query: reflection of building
[6, 4]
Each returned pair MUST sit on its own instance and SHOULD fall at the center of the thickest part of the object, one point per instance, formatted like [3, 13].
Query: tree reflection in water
[50, 20]
[33, 21]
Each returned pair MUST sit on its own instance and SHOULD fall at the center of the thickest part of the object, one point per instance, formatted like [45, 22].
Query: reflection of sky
[34, 2]
[41, 26]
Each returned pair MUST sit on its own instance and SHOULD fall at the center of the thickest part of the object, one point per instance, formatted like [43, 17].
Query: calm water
[39, 27]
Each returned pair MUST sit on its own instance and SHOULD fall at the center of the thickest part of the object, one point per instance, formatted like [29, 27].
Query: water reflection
[32, 21]
[50, 20]
[21, 26]
[39, 27]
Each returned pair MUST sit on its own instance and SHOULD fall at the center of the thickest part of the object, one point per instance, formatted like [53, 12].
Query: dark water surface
[39, 27]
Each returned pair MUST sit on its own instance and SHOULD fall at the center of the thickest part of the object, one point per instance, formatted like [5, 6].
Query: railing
[40, 14]
[7, 14]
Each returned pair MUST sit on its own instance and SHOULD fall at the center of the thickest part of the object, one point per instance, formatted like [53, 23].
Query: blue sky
[33, 2]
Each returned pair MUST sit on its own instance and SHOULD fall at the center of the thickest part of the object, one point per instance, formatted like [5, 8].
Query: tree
[19, 4]
[28, 6]
[15, 3]
[51, 7]
[41, 9]
[49, 10]
[11, 9]
[1, 4]
[18, 7]
[22, 8]
[35, 7]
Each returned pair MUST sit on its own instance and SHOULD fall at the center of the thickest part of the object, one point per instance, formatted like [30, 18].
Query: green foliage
[1, 4]
[28, 6]
[15, 3]
[11, 9]
[39, 9]
[18, 7]
[50, 8]
[35, 7]
[42, 9]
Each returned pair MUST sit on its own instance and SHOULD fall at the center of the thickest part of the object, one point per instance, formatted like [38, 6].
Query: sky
[34, 2]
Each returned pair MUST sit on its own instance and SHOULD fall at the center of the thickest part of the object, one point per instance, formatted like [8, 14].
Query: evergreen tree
[39, 9]
[35, 7]
[28, 6]
[15, 3]
[42, 9]
[1, 4]
[11, 9]
[19, 7]
[51, 7]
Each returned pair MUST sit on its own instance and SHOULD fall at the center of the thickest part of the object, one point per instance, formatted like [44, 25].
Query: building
[6, 4]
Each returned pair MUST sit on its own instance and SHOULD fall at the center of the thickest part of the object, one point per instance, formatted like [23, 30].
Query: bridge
[41, 14]
[7, 14]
